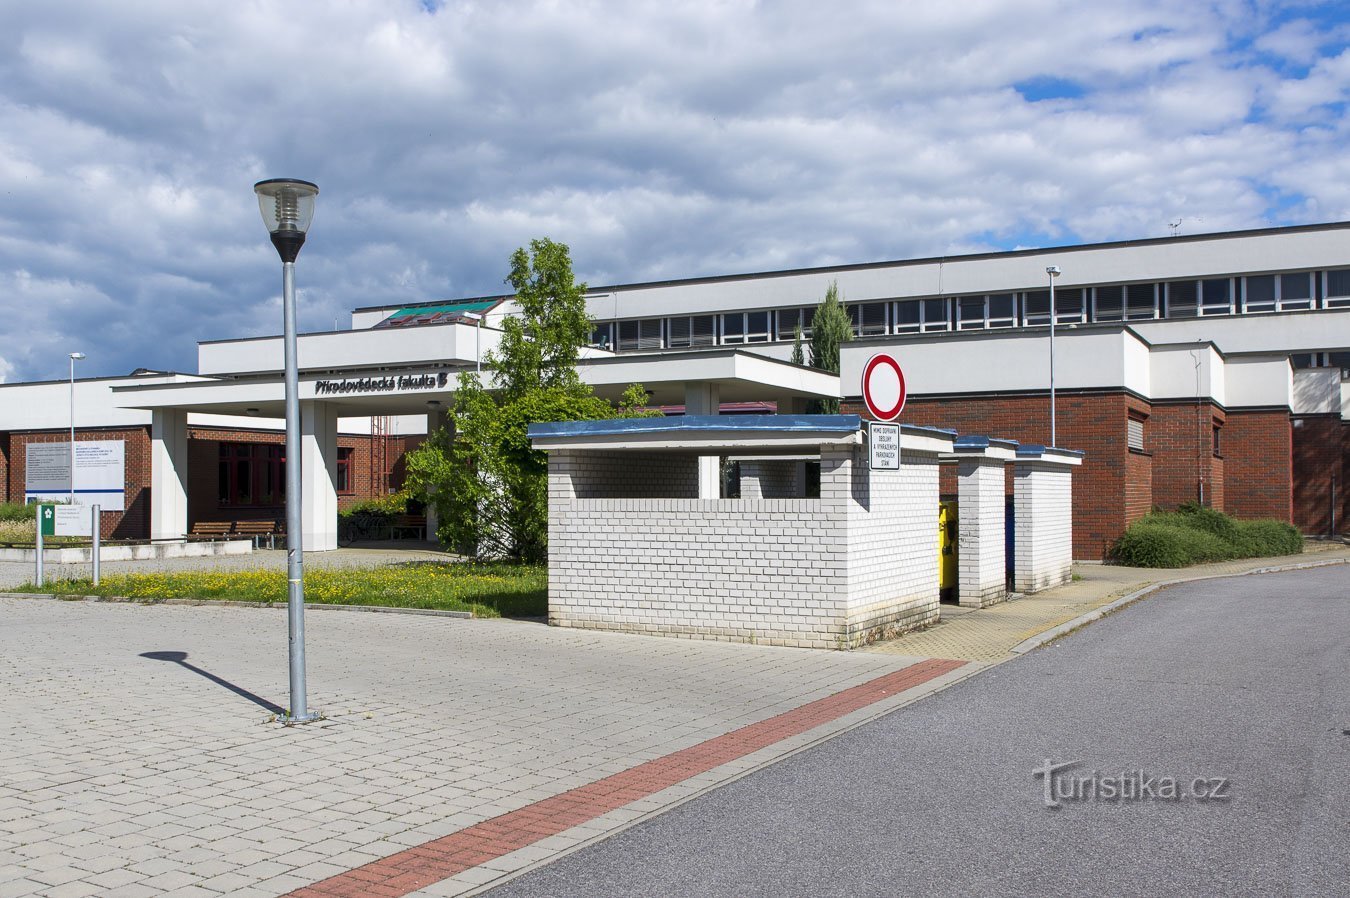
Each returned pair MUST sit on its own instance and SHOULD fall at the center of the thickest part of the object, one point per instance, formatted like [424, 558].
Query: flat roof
[927, 260]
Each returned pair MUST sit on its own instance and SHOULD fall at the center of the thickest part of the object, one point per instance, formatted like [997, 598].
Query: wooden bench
[210, 530]
[258, 531]
[409, 523]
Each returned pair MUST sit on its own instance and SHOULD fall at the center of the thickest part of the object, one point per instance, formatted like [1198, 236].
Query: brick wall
[1180, 436]
[1043, 520]
[833, 572]
[1257, 449]
[204, 477]
[131, 523]
[1093, 423]
[1321, 449]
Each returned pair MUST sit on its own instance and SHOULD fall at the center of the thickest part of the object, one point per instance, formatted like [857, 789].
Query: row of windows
[253, 474]
[1253, 294]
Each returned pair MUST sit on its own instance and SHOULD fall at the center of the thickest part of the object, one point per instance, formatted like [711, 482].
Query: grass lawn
[488, 590]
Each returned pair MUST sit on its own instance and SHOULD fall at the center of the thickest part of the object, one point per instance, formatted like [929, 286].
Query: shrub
[1193, 534]
[385, 506]
[1261, 538]
[16, 512]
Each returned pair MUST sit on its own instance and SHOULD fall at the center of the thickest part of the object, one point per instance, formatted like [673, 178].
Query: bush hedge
[1193, 534]
[16, 512]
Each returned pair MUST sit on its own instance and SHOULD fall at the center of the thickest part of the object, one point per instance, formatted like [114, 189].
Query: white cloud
[658, 140]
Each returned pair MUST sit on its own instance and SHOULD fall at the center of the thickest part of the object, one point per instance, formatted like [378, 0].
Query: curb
[1069, 626]
[226, 603]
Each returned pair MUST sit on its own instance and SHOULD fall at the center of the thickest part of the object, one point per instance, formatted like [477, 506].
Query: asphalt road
[1245, 679]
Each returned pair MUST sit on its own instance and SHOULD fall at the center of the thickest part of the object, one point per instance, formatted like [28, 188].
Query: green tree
[488, 486]
[830, 328]
[798, 356]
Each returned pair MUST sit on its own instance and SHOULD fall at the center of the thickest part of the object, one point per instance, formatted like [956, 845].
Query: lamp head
[1052, 270]
[287, 207]
[77, 356]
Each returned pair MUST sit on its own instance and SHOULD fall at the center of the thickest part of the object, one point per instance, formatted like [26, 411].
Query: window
[1216, 296]
[1036, 307]
[970, 313]
[345, 484]
[733, 327]
[1134, 434]
[643, 334]
[251, 474]
[757, 327]
[603, 335]
[1258, 293]
[1141, 301]
[1069, 306]
[1337, 288]
[1217, 430]
[1002, 310]
[1182, 299]
[790, 319]
[1108, 303]
[869, 319]
[1296, 291]
[914, 316]
[699, 330]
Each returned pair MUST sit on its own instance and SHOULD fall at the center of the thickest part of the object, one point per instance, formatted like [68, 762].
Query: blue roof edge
[697, 423]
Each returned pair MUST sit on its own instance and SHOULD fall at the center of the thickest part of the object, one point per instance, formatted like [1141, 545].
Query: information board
[100, 472]
[883, 442]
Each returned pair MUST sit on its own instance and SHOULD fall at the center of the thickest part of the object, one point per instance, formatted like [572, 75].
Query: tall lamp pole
[74, 357]
[1053, 272]
[287, 208]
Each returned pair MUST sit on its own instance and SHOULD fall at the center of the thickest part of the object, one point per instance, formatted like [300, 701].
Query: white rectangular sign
[74, 520]
[883, 441]
[100, 473]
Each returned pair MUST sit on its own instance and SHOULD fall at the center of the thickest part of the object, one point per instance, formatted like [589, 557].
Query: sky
[657, 139]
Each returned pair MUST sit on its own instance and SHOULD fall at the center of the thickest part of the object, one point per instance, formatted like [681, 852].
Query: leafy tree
[488, 486]
[830, 328]
[798, 356]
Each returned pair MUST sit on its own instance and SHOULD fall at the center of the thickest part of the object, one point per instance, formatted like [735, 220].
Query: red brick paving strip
[415, 868]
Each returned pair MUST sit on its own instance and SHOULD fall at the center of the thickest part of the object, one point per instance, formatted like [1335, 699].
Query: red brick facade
[1321, 451]
[1251, 476]
[203, 472]
[134, 522]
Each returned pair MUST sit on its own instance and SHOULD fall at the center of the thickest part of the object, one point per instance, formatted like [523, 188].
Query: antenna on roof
[1176, 225]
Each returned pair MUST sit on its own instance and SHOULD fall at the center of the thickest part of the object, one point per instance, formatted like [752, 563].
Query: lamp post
[74, 357]
[287, 208]
[1053, 272]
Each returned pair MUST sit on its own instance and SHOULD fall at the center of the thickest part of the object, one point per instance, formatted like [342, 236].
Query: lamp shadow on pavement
[180, 658]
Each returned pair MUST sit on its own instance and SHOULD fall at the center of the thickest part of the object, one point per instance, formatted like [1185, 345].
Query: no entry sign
[883, 387]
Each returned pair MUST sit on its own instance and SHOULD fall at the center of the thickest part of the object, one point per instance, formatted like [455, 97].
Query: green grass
[486, 589]
[16, 512]
[1194, 535]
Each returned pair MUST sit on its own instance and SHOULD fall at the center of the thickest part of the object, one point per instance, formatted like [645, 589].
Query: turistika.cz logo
[1060, 786]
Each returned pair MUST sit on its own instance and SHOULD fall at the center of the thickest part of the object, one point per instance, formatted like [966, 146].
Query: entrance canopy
[737, 376]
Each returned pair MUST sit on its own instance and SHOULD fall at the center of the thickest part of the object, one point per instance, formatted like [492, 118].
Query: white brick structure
[1043, 516]
[632, 548]
[981, 522]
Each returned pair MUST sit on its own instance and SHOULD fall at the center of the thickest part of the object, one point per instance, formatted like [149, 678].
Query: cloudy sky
[658, 139]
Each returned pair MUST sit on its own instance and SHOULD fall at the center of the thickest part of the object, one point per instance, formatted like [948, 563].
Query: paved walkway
[990, 634]
[137, 756]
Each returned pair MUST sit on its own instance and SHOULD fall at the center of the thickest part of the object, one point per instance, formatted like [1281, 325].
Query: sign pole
[98, 539]
[37, 577]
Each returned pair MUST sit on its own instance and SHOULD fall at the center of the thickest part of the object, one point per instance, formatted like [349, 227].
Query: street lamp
[287, 208]
[1053, 272]
[74, 357]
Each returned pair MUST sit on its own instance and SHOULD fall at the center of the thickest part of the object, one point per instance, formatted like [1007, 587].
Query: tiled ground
[122, 775]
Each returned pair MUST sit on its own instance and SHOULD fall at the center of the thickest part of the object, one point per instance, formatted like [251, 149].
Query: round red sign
[883, 387]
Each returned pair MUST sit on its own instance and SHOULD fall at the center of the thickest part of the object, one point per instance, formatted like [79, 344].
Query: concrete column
[705, 399]
[436, 419]
[792, 405]
[318, 475]
[751, 488]
[1043, 515]
[980, 545]
[168, 474]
